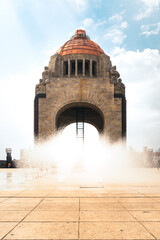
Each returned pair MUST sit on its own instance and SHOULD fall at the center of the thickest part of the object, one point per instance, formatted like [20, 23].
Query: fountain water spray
[94, 161]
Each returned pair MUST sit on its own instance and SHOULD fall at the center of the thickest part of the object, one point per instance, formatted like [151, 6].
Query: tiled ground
[44, 209]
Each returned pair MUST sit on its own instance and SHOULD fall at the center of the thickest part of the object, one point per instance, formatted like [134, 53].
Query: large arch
[68, 114]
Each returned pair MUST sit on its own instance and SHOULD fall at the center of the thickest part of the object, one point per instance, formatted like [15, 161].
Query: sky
[32, 30]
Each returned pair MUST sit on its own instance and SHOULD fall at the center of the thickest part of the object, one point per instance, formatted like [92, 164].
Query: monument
[80, 85]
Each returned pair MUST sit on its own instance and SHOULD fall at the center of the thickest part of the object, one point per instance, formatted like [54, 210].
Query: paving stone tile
[61, 200]
[17, 206]
[106, 216]
[108, 230]
[156, 199]
[12, 215]
[90, 191]
[101, 206]
[98, 200]
[136, 200]
[33, 193]
[58, 206]
[146, 215]
[53, 216]
[9, 193]
[156, 195]
[23, 200]
[93, 195]
[45, 230]
[122, 195]
[63, 194]
[5, 227]
[2, 199]
[142, 206]
[153, 227]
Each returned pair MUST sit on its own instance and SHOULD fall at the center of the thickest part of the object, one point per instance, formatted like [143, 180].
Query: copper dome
[80, 43]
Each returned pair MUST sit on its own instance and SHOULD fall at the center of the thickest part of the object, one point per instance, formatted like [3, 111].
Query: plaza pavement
[36, 205]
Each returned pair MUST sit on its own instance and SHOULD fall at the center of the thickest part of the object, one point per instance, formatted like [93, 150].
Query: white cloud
[117, 51]
[116, 17]
[151, 29]
[147, 63]
[151, 3]
[149, 7]
[140, 72]
[124, 25]
[115, 33]
[88, 22]
[101, 23]
[80, 5]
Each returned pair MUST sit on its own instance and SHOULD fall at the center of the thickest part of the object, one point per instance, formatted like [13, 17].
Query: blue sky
[32, 31]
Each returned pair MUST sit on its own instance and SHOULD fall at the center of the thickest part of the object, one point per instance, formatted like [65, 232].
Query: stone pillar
[97, 69]
[83, 67]
[62, 69]
[76, 67]
[69, 68]
[90, 67]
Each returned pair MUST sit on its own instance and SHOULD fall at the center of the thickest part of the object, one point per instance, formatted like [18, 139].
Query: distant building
[148, 157]
[156, 157]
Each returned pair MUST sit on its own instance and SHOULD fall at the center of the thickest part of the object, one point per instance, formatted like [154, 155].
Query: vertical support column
[62, 69]
[83, 67]
[90, 68]
[96, 69]
[69, 68]
[76, 67]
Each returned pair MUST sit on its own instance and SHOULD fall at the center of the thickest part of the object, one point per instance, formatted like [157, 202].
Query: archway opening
[91, 134]
[80, 113]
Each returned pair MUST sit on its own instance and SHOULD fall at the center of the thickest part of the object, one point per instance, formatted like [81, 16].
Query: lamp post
[9, 157]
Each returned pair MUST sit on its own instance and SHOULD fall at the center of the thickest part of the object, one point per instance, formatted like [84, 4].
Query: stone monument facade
[80, 77]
